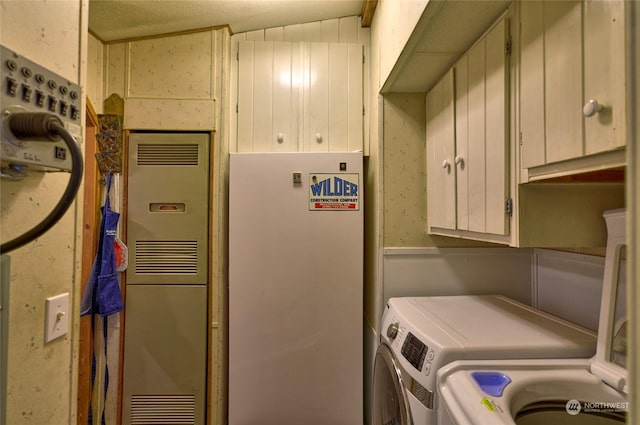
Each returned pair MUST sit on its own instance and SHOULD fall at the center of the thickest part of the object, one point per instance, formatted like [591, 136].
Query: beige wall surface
[168, 82]
[95, 74]
[405, 171]
[42, 376]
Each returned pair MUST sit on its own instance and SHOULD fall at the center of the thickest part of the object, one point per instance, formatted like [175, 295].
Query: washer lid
[610, 361]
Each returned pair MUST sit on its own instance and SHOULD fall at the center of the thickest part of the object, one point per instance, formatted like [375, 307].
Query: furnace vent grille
[166, 257]
[162, 410]
[165, 154]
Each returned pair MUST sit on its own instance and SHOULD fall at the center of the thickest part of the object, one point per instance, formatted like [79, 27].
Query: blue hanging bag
[102, 295]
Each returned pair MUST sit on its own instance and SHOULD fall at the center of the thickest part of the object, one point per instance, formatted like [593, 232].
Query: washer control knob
[392, 331]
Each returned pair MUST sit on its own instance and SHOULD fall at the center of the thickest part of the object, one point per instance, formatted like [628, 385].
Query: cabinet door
[481, 155]
[563, 79]
[571, 52]
[496, 149]
[269, 77]
[461, 83]
[332, 97]
[441, 180]
[475, 166]
[532, 73]
[604, 74]
[551, 81]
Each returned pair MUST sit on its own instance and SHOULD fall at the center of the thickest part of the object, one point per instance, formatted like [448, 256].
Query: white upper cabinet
[467, 142]
[481, 172]
[299, 96]
[572, 86]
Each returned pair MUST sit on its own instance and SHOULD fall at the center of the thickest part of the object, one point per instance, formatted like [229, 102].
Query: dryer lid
[610, 361]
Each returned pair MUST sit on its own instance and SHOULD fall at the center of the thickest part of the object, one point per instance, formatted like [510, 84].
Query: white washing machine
[421, 335]
[551, 392]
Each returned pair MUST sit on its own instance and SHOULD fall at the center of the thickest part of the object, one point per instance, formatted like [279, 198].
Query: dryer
[421, 335]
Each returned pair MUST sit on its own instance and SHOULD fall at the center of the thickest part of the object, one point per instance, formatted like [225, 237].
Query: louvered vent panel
[166, 257]
[162, 410]
[166, 154]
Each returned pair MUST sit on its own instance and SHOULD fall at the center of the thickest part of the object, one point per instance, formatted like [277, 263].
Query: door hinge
[507, 47]
[520, 141]
[508, 206]
[238, 55]
[236, 108]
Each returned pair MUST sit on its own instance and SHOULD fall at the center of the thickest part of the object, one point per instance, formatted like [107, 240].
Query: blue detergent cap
[492, 383]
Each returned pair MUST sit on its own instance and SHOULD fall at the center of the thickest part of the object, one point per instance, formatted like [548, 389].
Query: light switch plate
[56, 317]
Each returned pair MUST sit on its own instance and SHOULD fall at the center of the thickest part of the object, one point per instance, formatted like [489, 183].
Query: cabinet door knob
[591, 108]
[459, 160]
[445, 164]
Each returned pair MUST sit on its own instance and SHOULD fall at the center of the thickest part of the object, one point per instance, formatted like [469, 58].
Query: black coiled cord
[26, 125]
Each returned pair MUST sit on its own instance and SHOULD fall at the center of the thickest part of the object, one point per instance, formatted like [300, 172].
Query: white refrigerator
[295, 288]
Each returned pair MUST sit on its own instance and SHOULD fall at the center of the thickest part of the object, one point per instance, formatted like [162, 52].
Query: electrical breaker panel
[29, 87]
